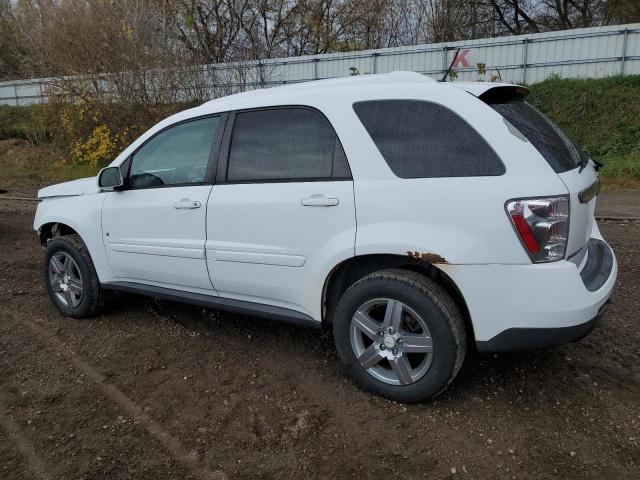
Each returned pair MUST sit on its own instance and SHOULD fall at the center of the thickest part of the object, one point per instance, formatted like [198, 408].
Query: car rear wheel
[400, 335]
[70, 277]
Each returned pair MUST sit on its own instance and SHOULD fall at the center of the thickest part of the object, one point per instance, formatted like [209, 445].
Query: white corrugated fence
[589, 52]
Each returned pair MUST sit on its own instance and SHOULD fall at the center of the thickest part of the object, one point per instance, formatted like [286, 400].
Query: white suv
[414, 218]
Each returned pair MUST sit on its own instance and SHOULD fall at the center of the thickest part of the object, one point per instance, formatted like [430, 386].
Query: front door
[281, 210]
[154, 229]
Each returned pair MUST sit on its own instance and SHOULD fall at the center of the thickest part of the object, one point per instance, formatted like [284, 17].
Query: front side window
[178, 155]
[284, 144]
[420, 139]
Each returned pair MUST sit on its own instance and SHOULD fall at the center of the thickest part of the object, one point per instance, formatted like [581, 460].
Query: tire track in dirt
[34, 462]
[170, 443]
[272, 397]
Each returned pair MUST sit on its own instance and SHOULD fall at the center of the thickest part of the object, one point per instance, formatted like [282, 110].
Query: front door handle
[319, 200]
[185, 203]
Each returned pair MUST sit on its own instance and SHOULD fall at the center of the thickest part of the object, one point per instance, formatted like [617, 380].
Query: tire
[91, 298]
[427, 314]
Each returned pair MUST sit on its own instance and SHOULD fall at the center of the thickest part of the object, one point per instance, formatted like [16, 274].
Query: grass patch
[24, 123]
[21, 181]
[27, 167]
[600, 115]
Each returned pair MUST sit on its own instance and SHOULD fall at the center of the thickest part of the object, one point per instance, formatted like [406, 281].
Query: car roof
[297, 92]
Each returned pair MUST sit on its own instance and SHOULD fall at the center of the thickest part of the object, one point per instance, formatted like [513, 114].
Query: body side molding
[217, 303]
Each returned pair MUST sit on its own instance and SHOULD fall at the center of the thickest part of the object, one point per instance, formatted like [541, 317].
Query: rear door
[154, 230]
[579, 175]
[281, 209]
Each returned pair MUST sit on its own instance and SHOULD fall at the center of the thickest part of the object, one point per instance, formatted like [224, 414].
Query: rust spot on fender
[427, 257]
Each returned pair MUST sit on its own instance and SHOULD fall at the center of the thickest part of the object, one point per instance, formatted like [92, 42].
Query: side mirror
[110, 179]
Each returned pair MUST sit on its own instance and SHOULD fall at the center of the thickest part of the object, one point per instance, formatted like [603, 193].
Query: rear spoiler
[503, 93]
[488, 91]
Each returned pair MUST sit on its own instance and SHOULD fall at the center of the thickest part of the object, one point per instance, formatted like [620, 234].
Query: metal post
[15, 92]
[315, 68]
[374, 57]
[624, 50]
[445, 63]
[525, 42]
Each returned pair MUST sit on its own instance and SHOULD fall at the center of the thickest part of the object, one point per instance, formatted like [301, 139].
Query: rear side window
[552, 143]
[425, 140]
[285, 144]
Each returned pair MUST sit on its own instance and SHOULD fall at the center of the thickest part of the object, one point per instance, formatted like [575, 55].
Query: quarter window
[284, 144]
[176, 156]
[421, 139]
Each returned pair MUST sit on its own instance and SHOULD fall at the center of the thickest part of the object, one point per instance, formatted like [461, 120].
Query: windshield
[552, 143]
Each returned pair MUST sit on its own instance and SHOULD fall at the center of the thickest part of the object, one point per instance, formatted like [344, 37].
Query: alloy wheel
[65, 279]
[391, 341]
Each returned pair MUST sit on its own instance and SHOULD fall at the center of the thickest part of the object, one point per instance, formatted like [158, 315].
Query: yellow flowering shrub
[91, 134]
[99, 148]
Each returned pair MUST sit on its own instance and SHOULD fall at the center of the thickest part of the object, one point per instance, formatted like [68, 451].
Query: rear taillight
[542, 225]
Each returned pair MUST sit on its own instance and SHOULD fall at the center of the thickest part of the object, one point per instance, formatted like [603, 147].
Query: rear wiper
[585, 161]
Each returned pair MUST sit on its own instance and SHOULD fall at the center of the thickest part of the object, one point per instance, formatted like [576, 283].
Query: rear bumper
[598, 266]
[535, 306]
[519, 339]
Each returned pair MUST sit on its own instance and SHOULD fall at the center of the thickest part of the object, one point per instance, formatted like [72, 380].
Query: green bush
[24, 123]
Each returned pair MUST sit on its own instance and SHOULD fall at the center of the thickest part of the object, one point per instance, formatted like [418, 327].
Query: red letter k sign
[460, 59]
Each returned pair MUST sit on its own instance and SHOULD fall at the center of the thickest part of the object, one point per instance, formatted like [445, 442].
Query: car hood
[73, 188]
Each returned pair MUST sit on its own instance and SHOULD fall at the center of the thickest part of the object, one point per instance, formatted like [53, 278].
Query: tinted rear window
[285, 144]
[421, 139]
[552, 143]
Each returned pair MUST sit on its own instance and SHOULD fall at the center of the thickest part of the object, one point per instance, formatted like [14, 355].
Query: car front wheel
[70, 277]
[400, 335]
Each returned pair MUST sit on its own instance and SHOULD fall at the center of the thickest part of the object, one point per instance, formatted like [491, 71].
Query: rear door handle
[185, 203]
[319, 200]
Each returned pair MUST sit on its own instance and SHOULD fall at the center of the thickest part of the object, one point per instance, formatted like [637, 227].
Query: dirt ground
[158, 390]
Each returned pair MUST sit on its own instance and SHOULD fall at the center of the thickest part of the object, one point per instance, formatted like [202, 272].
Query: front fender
[84, 215]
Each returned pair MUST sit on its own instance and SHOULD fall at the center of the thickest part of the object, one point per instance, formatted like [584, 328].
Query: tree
[138, 49]
[11, 45]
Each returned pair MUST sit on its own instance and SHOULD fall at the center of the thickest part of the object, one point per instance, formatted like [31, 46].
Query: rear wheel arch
[349, 271]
